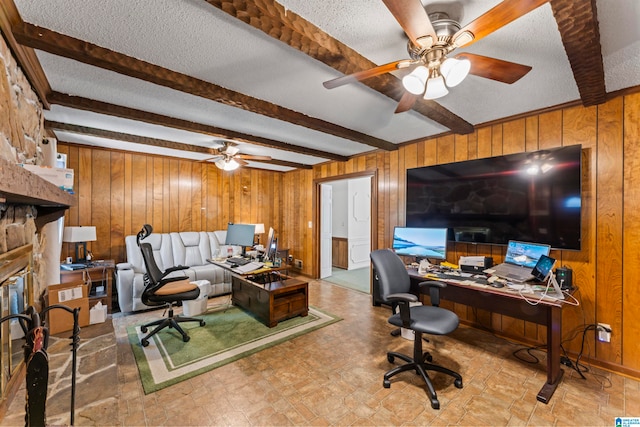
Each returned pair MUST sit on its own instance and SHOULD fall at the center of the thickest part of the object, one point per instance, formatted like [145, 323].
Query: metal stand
[37, 361]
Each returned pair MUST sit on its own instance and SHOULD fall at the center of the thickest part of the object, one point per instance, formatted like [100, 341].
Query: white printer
[475, 263]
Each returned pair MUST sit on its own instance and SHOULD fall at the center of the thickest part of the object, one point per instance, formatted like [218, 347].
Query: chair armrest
[402, 297]
[434, 287]
[172, 269]
[124, 266]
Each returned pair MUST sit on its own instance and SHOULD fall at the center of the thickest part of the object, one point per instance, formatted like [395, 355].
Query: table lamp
[80, 236]
[258, 232]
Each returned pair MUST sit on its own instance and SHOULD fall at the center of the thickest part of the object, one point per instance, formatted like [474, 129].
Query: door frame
[373, 238]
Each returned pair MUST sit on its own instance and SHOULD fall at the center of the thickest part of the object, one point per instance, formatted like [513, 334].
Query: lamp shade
[435, 88]
[455, 70]
[227, 164]
[259, 229]
[414, 82]
[79, 234]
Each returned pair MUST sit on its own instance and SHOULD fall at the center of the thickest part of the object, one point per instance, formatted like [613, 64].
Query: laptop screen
[525, 254]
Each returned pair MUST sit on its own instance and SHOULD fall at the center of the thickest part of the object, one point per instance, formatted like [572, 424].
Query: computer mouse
[496, 284]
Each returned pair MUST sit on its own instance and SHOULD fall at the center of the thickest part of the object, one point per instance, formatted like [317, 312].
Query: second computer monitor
[270, 249]
[240, 235]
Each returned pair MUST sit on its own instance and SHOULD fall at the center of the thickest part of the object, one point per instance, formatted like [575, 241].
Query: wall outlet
[604, 332]
[298, 263]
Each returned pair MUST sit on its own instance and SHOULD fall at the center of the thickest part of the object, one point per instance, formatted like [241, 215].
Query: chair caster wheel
[145, 343]
[386, 384]
[435, 404]
[427, 357]
[143, 329]
[186, 338]
[458, 383]
[390, 358]
[202, 323]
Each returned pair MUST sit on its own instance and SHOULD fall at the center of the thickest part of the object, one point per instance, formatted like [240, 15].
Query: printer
[475, 264]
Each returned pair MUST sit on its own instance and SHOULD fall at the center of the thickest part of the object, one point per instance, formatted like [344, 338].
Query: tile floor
[333, 376]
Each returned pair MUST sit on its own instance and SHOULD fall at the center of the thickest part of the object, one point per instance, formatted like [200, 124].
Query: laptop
[519, 261]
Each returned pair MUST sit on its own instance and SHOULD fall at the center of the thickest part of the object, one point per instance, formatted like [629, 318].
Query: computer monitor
[240, 235]
[420, 242]
[270, 249]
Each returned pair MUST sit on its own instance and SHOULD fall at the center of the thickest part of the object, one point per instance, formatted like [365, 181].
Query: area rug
[230, 334]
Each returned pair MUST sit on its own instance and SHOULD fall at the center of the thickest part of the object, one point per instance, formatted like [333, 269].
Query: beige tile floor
[333, 376]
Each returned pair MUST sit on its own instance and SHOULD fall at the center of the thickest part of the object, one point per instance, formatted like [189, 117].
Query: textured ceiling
[194, 38]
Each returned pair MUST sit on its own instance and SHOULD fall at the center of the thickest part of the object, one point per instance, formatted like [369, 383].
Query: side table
[100, 274]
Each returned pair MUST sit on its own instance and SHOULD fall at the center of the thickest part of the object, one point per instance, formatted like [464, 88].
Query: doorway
[345, 214]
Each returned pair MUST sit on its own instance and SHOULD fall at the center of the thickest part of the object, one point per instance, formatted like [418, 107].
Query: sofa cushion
[191, 248]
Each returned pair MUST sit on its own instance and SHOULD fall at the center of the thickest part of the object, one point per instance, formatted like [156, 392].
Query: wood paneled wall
[118, 192]
[606, 270]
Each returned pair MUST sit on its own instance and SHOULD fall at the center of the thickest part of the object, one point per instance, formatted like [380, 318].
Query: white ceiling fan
[229, 157]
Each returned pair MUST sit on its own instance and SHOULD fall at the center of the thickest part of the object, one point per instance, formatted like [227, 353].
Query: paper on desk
[249, 267]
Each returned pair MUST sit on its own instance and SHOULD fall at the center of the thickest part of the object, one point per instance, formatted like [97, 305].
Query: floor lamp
[80, 236]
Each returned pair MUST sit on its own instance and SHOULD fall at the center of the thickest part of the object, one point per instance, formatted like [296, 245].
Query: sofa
[188, 248]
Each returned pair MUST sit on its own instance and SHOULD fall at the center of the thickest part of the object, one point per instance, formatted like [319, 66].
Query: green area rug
[230, 334]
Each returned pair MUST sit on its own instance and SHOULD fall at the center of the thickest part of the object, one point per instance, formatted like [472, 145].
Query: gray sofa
[189, 248]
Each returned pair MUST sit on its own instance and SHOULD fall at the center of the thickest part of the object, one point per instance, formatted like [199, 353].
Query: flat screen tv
[420, 242]
[532, 197]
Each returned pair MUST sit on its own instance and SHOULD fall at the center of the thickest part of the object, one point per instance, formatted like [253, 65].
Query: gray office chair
[395, 286]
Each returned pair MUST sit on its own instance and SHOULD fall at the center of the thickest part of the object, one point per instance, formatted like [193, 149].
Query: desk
[268, 294]
[547, 313]
[99, 274]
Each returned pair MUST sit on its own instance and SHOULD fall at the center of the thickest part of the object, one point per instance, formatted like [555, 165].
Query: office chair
[162, 290]
[394, 287]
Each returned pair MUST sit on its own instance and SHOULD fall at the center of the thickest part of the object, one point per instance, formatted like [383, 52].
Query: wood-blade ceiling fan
[230, 158]
[432, 37]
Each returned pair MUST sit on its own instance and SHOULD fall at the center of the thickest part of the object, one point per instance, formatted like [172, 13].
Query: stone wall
[21, 132]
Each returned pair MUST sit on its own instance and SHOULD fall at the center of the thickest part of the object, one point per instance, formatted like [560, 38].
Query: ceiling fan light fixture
[435, 87]
[227, 164]
[415, 81]
[455, 71]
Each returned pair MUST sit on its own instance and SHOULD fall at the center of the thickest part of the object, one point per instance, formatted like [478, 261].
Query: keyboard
[238, 261]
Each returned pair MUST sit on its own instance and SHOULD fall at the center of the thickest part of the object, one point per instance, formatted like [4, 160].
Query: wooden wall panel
[606, 270]
[631, 237]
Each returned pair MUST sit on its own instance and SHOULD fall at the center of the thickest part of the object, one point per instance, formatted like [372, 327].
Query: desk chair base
[420, 365]
[170, 321]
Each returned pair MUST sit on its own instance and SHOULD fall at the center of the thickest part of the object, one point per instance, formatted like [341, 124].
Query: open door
[325, 230]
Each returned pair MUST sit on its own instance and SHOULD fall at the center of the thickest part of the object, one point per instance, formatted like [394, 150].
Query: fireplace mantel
[21, 187]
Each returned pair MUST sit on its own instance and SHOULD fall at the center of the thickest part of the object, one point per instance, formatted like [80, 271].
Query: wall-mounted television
[420, 242]
[533, 197]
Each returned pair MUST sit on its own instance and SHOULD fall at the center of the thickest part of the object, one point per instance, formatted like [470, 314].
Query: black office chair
[395, 286]
[162, 290]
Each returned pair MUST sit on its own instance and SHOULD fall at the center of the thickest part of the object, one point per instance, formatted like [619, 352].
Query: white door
[325, 231]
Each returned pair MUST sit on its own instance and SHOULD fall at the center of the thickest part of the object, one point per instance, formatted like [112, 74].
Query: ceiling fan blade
[240, 161]
[406, 102]
[494, 19]
[495, 69]
[208, 159]
[365, 74]
[414, 20]
[251, 157]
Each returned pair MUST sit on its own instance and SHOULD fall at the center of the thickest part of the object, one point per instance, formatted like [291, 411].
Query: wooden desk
[100, 274]
[268, 293]
[547, 313]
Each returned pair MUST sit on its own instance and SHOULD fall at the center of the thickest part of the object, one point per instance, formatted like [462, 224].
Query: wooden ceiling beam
[154, 142]
[88, 53]
[275, 21]
[80, 103]
[578, 24]
[26, 57]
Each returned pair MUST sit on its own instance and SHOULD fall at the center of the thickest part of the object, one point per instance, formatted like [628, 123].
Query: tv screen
[240, 234]
[532, 197]
[420, 242]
